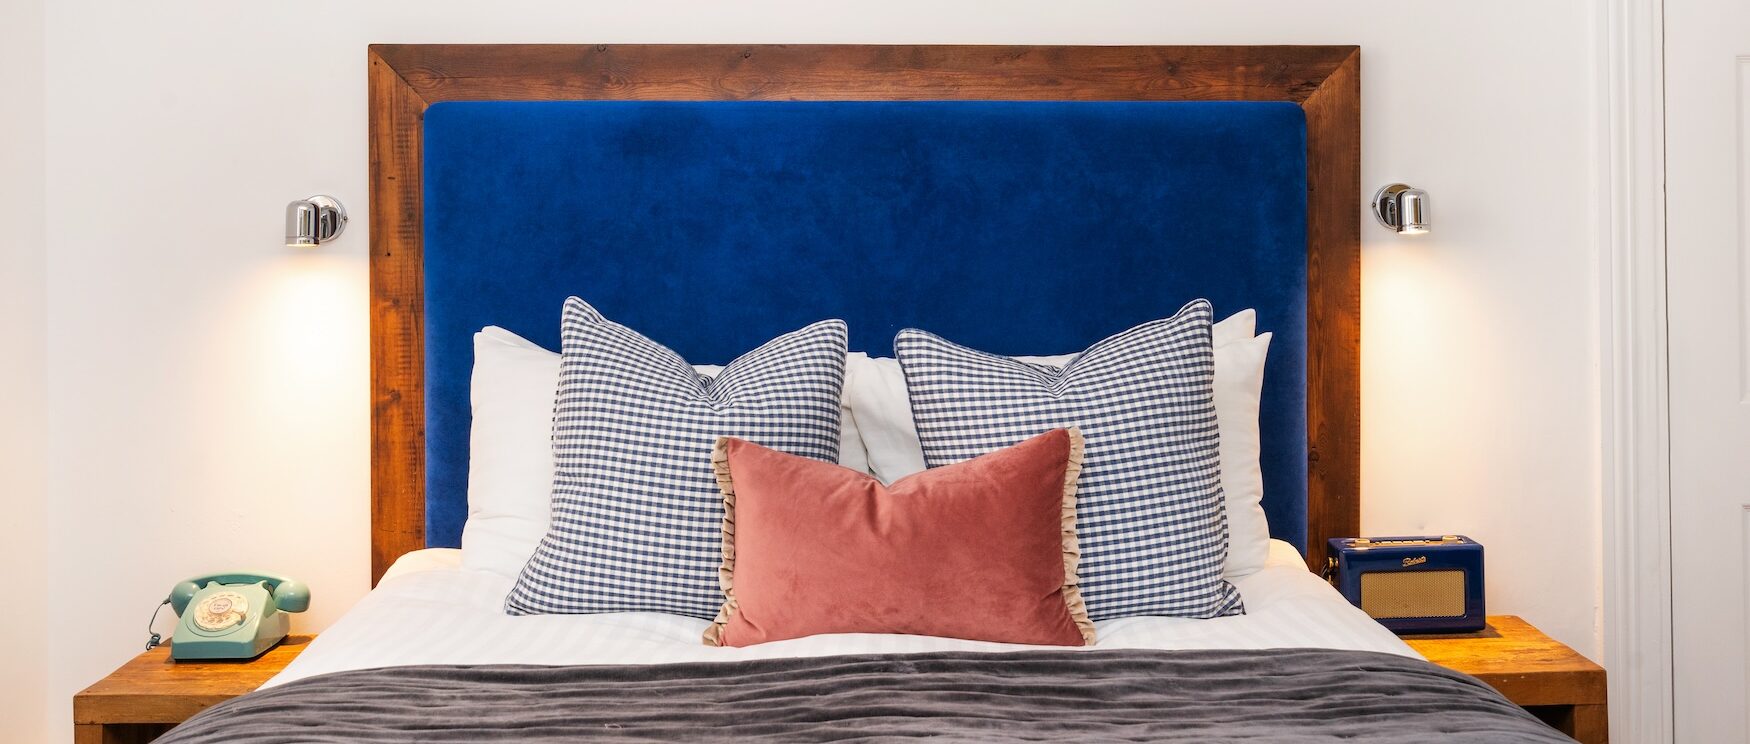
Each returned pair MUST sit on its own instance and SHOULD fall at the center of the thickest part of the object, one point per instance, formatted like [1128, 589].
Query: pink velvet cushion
[983, 550]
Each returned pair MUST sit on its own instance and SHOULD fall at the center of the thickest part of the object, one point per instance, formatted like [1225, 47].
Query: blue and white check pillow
[1150, 514]
[637, 515]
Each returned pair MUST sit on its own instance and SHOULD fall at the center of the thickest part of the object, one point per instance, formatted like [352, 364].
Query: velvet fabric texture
[981, 550]
[1017, 227]
[1303, 695]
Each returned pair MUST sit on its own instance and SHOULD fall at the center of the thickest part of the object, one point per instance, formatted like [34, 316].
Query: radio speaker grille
[1398, 594]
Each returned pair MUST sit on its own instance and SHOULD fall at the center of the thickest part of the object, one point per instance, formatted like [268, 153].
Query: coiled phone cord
[156, 638]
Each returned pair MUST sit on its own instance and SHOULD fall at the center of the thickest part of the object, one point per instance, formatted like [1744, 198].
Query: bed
[1024, 199]
[429, 655]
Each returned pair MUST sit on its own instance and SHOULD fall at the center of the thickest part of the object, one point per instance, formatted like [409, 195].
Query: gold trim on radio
[1362, 542]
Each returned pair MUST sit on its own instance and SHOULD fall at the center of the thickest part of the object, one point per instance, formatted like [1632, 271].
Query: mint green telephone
[233, 615]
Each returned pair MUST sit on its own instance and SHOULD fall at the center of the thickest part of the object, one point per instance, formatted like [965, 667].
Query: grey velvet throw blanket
[1298, 695]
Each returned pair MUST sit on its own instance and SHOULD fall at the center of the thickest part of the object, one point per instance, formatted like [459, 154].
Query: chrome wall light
[314, 221]
[1402, 209]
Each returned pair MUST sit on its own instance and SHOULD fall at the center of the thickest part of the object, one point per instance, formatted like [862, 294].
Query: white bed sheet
[429, 610]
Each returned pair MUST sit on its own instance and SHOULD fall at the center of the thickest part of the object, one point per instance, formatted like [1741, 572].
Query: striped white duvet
[428, 610]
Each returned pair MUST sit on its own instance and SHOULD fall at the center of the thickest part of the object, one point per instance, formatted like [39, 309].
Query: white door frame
[1636, 543]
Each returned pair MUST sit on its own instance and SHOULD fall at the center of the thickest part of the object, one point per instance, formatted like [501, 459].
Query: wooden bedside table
[151, 693]
[1531, 669]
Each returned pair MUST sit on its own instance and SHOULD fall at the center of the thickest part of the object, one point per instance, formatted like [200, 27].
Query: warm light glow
[277, 393]
[288, 352]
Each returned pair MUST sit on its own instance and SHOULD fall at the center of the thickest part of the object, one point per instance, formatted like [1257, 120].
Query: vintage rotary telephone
[232, 615]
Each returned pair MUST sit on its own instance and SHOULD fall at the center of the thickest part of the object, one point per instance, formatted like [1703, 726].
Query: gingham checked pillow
[1150, 516]
[637, 517]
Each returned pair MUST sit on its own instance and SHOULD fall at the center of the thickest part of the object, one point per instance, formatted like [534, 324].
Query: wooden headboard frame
[406, 78]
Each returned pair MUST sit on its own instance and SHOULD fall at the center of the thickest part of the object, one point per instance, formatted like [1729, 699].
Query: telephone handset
[233, 615]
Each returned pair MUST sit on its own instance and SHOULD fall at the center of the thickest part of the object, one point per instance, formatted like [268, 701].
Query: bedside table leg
[117, 733]
[1591, 724]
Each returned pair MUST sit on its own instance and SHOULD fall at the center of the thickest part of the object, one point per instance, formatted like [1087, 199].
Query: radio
[1411, 584]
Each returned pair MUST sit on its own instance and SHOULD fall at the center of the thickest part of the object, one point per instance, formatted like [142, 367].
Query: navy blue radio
[1411, 584]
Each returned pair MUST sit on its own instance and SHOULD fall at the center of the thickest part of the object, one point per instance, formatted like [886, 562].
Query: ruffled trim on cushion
[1072, 550]
[726, 571]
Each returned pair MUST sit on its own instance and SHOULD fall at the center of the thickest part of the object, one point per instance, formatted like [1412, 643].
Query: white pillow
[510, 451]
[875, 392]
[1239, 382]
[510, 458]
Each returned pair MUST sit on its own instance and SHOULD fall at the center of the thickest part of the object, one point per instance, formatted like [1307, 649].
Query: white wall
[24, 703]
[208, 387]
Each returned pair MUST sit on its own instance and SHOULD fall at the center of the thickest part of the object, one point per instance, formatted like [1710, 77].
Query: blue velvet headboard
[1017, 227]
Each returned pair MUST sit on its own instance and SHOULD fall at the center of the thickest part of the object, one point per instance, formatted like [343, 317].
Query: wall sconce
[314, 221]
[1402, 209]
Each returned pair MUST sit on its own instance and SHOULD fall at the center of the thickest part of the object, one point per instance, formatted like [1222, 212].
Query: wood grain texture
[1333, 308]
[1589, 724]
[1530, 668]
[397, 318]
[442, 72]
[404, 79]
[152, 689]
